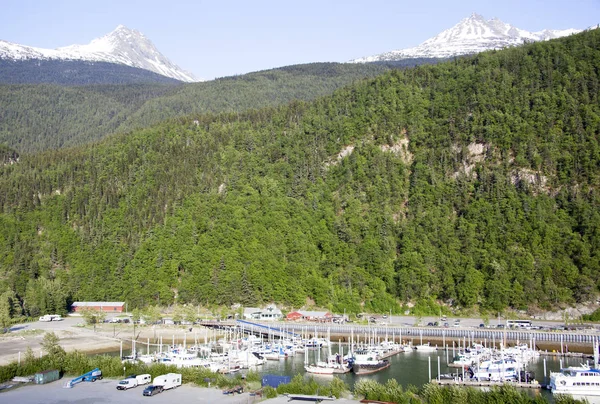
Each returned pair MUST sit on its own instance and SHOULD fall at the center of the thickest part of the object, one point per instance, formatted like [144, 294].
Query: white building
[269, 313]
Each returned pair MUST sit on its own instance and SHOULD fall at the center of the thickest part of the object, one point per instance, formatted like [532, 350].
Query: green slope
[41, 117]
[474, 182]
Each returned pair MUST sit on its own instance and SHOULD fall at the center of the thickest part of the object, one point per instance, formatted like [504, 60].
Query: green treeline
[74, 72]
[40, 117]
[473, 182]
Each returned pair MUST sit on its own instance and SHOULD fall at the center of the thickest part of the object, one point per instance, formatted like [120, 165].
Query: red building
[321, 316]
[294, 316]
[109, 307]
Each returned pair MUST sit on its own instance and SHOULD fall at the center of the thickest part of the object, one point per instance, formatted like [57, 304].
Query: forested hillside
[474, 182]
[45, 116]
[42, 117]
[75, 72]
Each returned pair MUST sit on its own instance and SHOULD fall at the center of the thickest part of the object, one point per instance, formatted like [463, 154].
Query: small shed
[47, 376]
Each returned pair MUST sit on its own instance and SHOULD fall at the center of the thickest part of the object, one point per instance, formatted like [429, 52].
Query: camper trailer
[168, 381]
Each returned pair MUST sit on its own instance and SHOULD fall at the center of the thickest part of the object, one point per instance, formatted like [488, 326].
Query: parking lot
[104, 391]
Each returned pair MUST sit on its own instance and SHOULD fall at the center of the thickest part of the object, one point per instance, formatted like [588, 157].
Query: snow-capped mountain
[122, 46]
[472, 35]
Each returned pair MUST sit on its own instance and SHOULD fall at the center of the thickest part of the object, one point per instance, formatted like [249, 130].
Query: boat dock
[484, 383]
[390, 353]
[578, 340]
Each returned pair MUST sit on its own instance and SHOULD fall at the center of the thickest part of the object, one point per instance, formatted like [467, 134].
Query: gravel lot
[105, 391]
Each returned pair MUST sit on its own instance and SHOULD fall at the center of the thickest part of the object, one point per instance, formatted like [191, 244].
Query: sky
[227, 37]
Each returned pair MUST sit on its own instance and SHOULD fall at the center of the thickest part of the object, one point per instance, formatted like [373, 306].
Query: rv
[143, 379]
[168, 381]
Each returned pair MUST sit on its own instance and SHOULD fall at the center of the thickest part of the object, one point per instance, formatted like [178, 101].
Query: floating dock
[483, 383]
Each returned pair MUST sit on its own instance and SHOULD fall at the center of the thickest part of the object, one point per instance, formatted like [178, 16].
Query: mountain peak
[476, 17]
[471, 35]
[123, 46]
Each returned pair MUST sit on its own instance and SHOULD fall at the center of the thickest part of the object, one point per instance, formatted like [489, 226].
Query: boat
[275, 355]
[496, 374]
[320, 368]
[336, 364]
[578, 380]
[425, 348]
[367, 362]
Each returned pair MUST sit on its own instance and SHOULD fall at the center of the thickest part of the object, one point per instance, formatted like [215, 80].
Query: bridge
[276, 330]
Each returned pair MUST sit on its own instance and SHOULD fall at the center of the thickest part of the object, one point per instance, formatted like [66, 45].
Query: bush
[269, 392]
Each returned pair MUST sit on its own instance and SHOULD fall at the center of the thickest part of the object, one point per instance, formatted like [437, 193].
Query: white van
[128, 383]
[168, 381]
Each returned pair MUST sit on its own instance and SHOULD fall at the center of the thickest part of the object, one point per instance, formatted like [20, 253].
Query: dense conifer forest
[75, 72]
[473, 182]
[50, 116]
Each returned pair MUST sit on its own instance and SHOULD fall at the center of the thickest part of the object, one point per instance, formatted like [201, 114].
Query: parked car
[429, 324]
[481, 325]
[152, 390]
[446, 325]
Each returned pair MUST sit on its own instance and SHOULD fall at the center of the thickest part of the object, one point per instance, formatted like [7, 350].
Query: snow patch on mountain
[472, 35]
[122, 46]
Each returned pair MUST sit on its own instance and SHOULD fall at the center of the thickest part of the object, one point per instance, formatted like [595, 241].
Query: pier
[483, 383]
[554, 338]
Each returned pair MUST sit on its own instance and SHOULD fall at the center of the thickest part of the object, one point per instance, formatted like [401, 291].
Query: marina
[379, 354]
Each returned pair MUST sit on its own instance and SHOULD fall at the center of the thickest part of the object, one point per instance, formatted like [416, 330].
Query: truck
[134, 381]
[168, 381]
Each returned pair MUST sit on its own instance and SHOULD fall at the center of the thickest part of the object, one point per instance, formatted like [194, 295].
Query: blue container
[275, 380]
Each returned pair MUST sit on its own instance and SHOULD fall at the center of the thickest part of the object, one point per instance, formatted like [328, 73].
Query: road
[464, 322]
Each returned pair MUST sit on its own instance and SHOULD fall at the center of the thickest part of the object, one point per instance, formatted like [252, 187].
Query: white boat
[462, 360]
[320, 368]
[425, 348]
[275, 355]
[335, 365]
[496, 375]
[578, 380]
[247, 359]
[366, 362]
